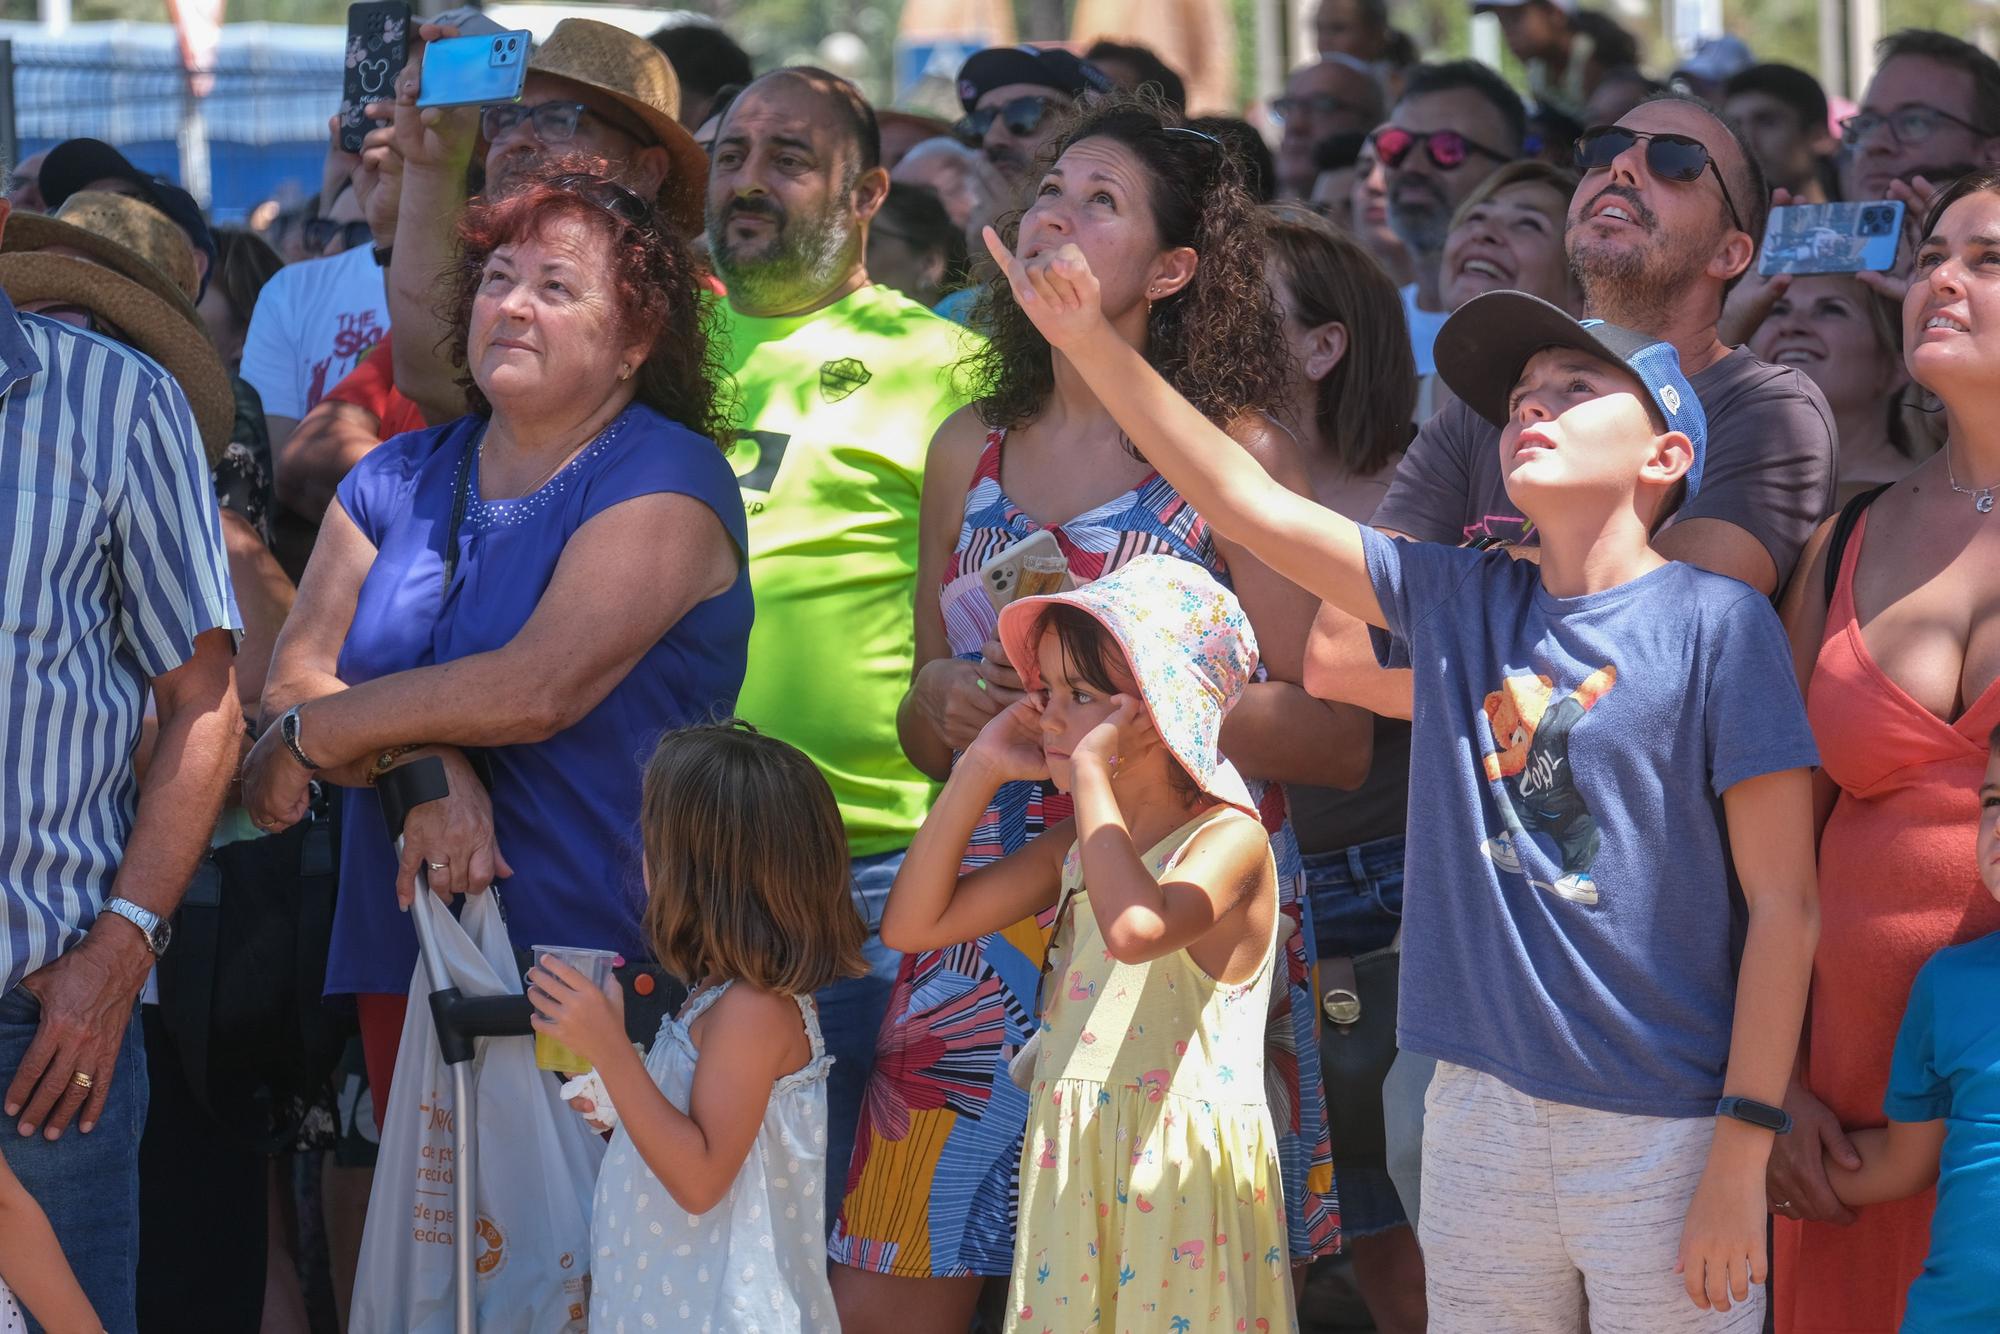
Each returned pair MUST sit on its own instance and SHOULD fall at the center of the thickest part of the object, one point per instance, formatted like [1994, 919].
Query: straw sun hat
[631, 72]
[126, 263]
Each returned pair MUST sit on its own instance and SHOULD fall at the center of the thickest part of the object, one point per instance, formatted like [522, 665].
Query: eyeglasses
[606, 194]
[1445, 148]
[1911, 123]
[1023, 116]
[1671, 157]
[1318, 104]
[553, 122]
[319, 231]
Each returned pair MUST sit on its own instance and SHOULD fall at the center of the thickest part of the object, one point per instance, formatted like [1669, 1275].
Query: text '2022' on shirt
[1571, 920]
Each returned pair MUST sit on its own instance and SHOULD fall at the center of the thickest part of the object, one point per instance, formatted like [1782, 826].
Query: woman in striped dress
[930, 1202]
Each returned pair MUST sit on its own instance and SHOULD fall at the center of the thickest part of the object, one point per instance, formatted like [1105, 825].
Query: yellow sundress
[1150, 1188]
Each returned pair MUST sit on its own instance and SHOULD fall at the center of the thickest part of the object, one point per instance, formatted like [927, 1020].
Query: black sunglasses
[1671, 157]
[608, 195]
[1023, 116]
[319, 231]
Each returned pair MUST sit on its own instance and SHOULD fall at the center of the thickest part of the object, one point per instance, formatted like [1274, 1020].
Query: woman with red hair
[547, 583]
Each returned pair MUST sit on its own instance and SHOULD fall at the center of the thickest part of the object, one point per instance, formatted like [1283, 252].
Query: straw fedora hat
[631, 72]
[128, 264]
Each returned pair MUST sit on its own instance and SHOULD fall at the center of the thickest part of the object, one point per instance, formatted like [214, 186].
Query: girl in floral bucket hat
[1150, 1153]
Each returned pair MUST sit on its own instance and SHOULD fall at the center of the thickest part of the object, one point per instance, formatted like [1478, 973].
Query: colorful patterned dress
[1149, 1182]
[932, 1185]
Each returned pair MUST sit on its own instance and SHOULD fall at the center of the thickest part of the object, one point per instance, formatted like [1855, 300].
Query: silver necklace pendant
[1983, 501]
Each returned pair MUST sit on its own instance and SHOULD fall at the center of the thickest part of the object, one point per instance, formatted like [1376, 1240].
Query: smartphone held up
[475, 71]
[378, 45]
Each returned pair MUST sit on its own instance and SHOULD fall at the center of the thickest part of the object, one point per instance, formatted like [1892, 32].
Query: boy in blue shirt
[1943, 1107]
[1610, 902]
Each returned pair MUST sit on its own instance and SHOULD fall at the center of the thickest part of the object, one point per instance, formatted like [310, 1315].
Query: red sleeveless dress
[1898, 882]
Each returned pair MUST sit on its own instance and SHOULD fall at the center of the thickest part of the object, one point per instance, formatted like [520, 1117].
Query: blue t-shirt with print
[1947, 1064]
[1571, 922]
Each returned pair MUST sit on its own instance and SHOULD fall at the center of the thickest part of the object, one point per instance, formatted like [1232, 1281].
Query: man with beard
[1014, 97]
[1455, 125]
[592, 91]
[1932, 110]
[1660, 228]
[840, 384]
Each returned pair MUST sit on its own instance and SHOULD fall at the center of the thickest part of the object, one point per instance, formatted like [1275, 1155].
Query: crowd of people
[1052, 628]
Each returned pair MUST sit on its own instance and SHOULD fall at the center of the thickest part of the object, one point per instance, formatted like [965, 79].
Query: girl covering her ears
[1150, 1189]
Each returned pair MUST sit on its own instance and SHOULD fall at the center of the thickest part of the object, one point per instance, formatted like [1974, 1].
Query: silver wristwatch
[159, 932]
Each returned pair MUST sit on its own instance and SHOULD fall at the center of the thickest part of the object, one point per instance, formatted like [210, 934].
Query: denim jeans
[1357, 906]
[88, 1185]
[850, 1019]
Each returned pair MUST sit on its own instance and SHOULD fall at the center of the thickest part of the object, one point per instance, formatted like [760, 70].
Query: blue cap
[1487, 342]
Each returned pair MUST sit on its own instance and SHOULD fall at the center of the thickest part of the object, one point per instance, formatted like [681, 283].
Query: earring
[624, 372]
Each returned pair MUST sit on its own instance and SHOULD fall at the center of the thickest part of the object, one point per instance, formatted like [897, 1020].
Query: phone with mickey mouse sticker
[378, 44]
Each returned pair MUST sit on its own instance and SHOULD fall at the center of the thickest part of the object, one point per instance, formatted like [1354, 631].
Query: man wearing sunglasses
[1014, 97]
[1932, 110]
[1455, 125]
[1334, 95]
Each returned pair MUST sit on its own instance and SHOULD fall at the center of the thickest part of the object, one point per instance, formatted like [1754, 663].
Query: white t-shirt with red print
[314, 320]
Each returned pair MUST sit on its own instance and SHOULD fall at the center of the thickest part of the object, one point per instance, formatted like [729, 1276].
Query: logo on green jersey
[838, 379]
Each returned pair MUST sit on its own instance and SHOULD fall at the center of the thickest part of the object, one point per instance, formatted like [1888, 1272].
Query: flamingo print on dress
[1190, 1251]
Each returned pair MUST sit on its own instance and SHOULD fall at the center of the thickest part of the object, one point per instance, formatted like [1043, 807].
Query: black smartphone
[378, 45]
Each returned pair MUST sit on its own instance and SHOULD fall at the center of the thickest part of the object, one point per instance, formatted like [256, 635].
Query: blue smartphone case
[464, 71]
[1832, 238]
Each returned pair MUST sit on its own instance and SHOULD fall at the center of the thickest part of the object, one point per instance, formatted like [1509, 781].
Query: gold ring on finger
[82, 1081]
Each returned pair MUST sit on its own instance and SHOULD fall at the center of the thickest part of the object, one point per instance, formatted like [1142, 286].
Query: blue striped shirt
[113, 563]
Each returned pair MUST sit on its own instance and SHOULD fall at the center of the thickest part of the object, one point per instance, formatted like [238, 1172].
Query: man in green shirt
[840, 385]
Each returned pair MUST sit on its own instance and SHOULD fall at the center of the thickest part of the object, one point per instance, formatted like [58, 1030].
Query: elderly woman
[550, 581]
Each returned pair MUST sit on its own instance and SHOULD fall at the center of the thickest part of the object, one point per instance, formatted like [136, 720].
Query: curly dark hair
[653, 278]
[1217, 341]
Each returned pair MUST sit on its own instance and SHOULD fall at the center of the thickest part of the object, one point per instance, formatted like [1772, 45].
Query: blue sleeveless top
[565, 810]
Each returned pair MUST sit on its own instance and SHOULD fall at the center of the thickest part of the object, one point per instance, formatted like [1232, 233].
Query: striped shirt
[113, 563]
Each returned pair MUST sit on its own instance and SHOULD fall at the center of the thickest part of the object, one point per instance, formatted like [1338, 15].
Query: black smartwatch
[1761, 1114]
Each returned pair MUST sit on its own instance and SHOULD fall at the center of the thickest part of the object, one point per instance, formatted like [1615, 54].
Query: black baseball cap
[1042, 66]
[75, 163]
[1486, 344]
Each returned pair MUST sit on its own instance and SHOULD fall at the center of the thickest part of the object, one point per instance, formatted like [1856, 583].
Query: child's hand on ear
[1117, 739]
[1010, 745]
[1057, 290]
[589, 1022]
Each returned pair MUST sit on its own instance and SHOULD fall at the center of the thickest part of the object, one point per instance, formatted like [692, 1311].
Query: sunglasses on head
[1671, 157]
[1445, 148]
[1023, 116]
[608, 195]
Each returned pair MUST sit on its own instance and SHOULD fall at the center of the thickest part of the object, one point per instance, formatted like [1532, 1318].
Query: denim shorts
[850, 1018]
[1357, 906]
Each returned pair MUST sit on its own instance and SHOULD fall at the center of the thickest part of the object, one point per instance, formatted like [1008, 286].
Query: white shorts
[1537, 1212]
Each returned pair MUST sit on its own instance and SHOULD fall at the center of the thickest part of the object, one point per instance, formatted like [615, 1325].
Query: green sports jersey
[834, 414]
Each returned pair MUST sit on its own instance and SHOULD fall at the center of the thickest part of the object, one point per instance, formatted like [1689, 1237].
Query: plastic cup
[595, 965]
[1043, 574]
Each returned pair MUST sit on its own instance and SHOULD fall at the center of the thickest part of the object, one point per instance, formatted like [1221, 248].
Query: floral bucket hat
[1190, 648]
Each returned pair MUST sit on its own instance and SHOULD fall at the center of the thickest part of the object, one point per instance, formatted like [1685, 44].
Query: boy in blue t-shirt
[1610, 910]
[1943, 1107]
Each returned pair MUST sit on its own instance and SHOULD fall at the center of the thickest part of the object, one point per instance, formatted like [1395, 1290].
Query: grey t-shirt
[1770, 468]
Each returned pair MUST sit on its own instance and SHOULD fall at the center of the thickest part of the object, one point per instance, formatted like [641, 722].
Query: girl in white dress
[31, 1260]
[708, 1215]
